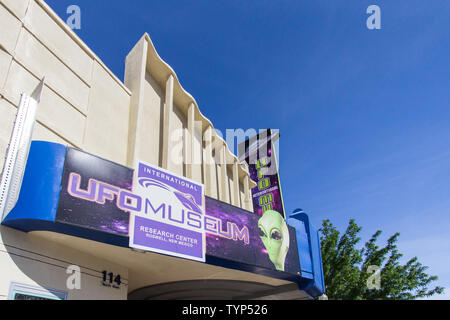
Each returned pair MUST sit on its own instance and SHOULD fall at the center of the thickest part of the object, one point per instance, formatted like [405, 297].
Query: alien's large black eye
[261, 232]
[276, 235]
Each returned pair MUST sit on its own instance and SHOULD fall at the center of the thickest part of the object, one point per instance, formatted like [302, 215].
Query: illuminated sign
[260, 155]
[165, 213]
[275, 249]
[72, 192]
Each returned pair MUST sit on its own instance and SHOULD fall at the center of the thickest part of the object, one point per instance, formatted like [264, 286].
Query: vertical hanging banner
[260, 154]
[167, 213]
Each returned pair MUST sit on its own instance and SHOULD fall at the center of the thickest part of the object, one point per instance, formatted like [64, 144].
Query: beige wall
[150, 122]
[151, 80]
[176, 155]
[28, 259]
[83, 104]
[86, 106]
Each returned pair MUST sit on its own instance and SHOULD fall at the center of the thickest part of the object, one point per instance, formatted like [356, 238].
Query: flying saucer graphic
[186, 199]
[147, 182]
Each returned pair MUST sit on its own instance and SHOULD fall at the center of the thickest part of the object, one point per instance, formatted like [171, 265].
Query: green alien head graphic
[274, 233]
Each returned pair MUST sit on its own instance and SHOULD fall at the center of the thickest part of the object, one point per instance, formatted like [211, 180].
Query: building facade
[148, 117]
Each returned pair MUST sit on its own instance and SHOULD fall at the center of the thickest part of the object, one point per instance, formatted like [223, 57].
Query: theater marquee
[69, 191]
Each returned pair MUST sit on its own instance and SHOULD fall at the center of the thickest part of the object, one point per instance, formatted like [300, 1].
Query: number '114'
[110, 276]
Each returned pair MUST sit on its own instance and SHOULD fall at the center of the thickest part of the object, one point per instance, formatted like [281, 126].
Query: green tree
[347, 269]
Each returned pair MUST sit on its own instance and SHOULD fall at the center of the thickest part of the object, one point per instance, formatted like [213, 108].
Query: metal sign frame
[18, 148]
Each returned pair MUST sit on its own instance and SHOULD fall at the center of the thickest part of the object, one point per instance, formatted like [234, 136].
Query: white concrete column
[134, 80]
[190, 143]
[246, 203]
[168, 113]
[235, 200]
[208, 162]
[223, 179]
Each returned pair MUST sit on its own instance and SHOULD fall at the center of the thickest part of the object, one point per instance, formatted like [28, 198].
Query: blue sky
[364, 115]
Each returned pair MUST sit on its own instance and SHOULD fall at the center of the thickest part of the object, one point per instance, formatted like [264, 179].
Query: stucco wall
[28, 259]
[83, 104]
[86, 106]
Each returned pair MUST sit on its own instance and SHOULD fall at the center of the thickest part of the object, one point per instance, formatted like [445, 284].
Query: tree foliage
[347, 270]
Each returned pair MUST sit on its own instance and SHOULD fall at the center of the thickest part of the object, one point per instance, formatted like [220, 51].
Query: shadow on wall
[29, 259]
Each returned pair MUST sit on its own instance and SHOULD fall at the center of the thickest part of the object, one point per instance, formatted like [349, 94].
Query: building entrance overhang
[234, 251]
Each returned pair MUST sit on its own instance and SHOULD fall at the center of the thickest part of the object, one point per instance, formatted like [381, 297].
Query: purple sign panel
[166, 238]
[259, 153]
[167, 213]
[236, 234]
[83, 199]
